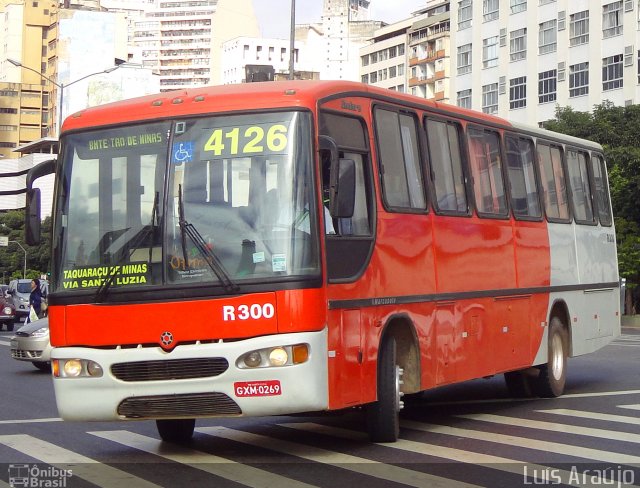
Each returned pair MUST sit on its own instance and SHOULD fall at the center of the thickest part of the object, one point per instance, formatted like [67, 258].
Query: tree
[616, 129]
[12, 256]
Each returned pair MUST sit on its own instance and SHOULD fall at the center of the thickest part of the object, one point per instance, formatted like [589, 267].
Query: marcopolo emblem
[166, 338]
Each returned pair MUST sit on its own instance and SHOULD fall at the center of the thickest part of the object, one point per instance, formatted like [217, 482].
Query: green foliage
[12, 257]
[628, 239]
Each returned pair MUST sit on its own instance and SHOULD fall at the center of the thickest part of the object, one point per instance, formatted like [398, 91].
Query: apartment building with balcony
[521, 58]
[411, 56]
[182, 40]
[428, 52]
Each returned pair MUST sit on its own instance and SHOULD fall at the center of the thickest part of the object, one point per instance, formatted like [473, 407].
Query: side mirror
[32, 217]
[32, 210]
[343, 195]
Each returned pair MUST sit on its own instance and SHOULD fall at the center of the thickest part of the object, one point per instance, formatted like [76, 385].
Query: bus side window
[554, 189]
[443, 140]
[600, 190]
[580, 187]
[486, 168]
[349, 249]
[399, 156]
[522, 177]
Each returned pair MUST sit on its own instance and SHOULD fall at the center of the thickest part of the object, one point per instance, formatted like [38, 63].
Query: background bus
[286, 247]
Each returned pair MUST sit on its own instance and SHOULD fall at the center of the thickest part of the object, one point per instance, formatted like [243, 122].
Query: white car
[31, 343]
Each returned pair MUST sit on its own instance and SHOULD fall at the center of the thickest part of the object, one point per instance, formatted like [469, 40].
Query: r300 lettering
[248, 312]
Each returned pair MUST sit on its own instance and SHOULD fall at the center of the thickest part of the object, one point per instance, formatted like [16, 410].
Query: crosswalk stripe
[555, 427]
[594, 415]
[80, 466]
[630, 407]
[449, 453]
[344, 461]
[527, 443]
[210, 463]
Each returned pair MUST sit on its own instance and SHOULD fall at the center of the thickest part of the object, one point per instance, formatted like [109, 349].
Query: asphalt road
[471, 434]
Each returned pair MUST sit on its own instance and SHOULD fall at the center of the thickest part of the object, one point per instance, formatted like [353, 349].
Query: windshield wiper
[135, 241]
[211, 259]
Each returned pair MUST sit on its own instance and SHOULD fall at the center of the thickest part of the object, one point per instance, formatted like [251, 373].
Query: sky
[274, 16]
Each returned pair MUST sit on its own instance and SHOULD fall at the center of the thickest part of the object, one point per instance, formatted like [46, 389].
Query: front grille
[172, 369]
[173, 406]
[21, 354]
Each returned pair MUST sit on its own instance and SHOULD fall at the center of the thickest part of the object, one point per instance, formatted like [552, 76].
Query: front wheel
[553, 375]
[42, 366]
[178, 431]
[383, 416]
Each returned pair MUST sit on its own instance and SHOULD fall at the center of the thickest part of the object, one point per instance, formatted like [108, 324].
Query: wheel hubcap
[557, 357]
[398, 382]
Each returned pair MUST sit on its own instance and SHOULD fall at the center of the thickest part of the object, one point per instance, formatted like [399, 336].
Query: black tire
[178, 431]
[383, 416]
[553, 375]
[519, 384]
[42, 366]
[9, 326]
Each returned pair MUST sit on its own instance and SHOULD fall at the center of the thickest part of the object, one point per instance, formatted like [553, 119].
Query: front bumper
[234, 392]
[34, 349]
[7, 318]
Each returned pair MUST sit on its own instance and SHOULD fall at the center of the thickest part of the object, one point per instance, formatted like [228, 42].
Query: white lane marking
[630, 407]
[494, 462]
[343, 461]
[515, 400]
[80, 466]
[30, 421]
[554, 427]
[210, 463]
[527, 443]
[595, 415]
[4, 343]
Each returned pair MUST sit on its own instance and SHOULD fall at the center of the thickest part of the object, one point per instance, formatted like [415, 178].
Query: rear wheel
[178, 431]
[553, 374]
[383, 416]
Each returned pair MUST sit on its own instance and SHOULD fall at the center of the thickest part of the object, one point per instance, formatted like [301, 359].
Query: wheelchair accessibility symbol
[182, 152]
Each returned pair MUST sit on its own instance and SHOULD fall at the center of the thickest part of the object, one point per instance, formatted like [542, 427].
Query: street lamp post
[61, 86]
[24, 272]
[292, 41]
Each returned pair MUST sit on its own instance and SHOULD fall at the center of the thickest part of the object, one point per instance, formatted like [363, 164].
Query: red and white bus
[285, 247]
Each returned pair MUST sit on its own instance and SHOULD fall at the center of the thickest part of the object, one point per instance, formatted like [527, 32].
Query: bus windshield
[216, 200]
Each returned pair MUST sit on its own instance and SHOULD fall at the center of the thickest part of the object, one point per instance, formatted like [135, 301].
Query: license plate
[257, 388]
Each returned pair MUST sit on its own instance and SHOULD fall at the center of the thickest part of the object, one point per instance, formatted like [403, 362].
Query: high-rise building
[24, 94]
[521, 58]
[336, 40]
[183, 40]
[411, 56]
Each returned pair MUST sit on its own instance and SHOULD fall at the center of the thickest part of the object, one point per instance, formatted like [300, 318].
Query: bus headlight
[274, 357]
[75, 368]
[278, 357]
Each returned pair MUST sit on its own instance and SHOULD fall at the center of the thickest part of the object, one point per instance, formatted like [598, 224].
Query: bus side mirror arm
[32, 208]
